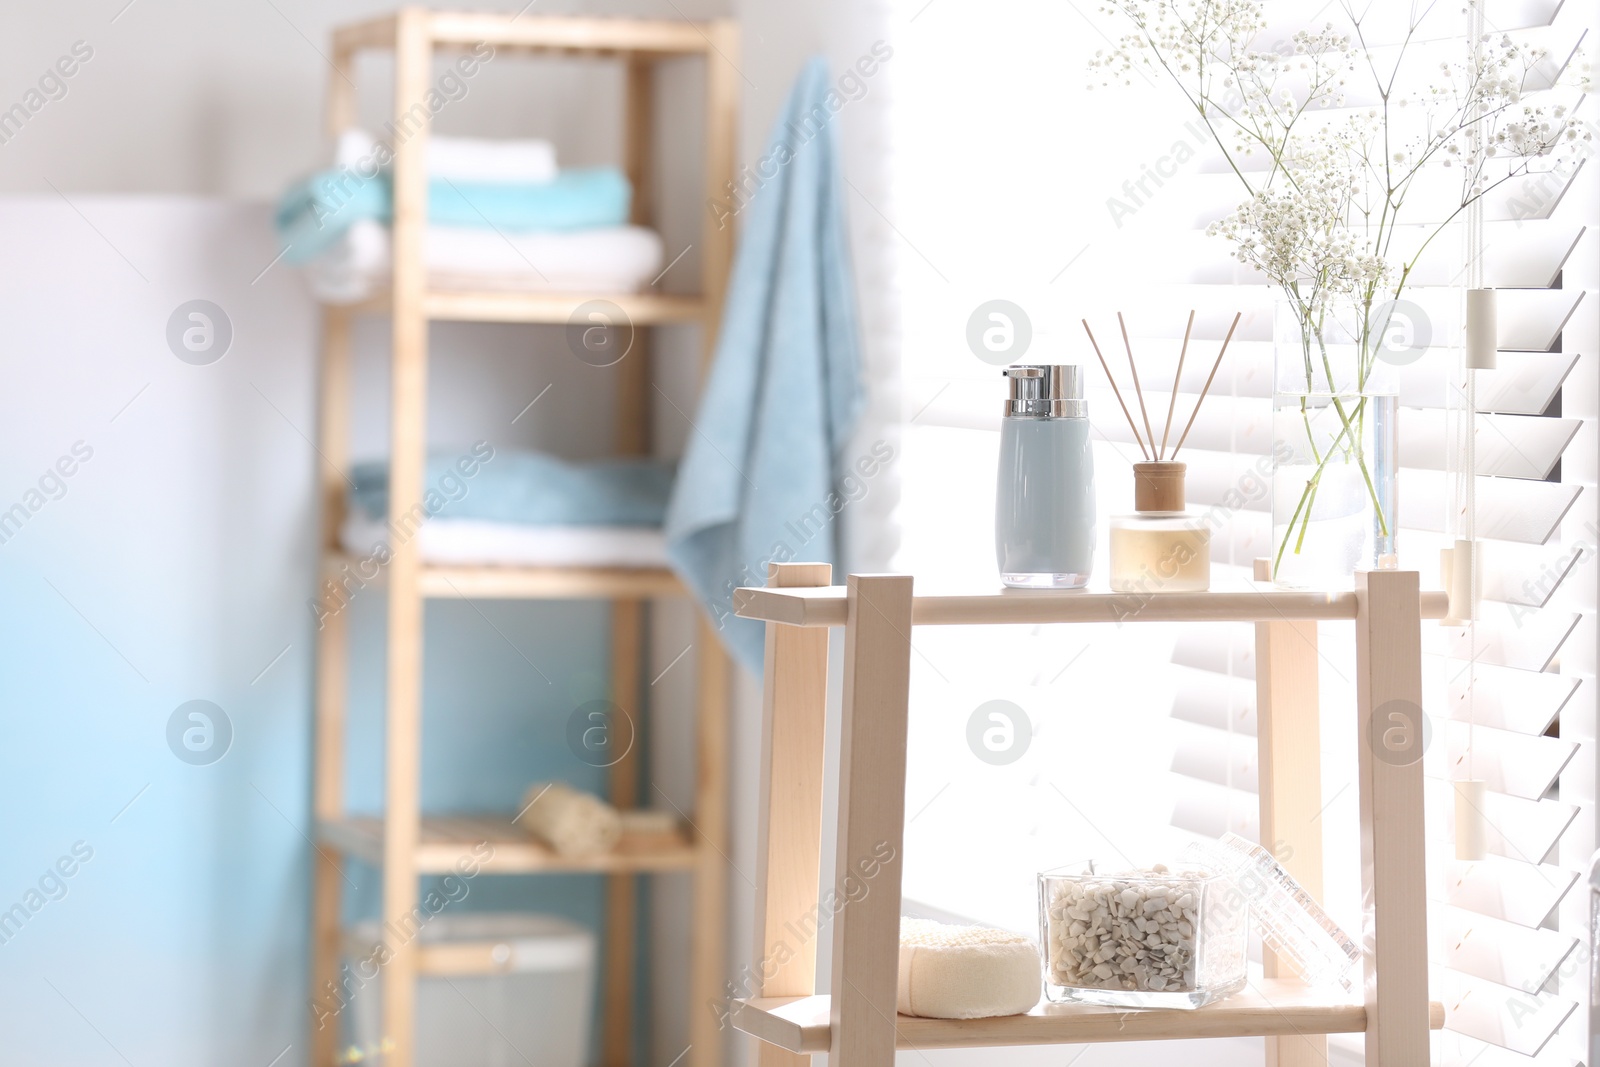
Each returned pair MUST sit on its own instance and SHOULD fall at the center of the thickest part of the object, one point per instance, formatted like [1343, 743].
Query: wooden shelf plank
[446, 840]
[641, 309]
[550, 583]
[826, 606]
[571, 33]
[440, 958]
[531, 583]
[554, 33]
[371, 33]
[1268, 1008]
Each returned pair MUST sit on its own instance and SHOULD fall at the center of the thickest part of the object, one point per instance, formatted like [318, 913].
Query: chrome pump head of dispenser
[1046, 392]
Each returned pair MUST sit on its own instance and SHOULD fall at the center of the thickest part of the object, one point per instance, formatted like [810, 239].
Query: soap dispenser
[1044, 507]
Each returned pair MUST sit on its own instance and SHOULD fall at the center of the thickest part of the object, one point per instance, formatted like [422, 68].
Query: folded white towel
[470, 159]
[613, 259]
[965, 972]
[468, 542]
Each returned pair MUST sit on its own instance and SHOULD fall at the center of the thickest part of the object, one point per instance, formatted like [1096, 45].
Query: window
[1014, 181]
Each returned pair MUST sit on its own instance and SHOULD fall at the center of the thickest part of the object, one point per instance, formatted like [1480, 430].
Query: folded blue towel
[314, 212]
[528, 488]
[757, 481]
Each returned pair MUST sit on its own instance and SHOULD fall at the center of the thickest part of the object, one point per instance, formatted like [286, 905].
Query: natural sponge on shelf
[572, 822]
[965, 972]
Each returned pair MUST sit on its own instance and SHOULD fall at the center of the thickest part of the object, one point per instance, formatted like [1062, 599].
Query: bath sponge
[571, 822]
[965, 972]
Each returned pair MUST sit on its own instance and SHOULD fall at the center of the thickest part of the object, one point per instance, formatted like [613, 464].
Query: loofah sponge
[572, 822]
[965, 972]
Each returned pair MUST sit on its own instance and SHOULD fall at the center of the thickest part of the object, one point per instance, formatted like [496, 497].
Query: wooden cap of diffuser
[1158, 486]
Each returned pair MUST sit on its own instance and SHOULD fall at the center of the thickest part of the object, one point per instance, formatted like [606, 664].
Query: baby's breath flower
[1332, 195]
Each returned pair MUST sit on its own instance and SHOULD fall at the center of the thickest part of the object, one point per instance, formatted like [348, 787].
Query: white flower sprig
[1323, 209]
[1321, 218]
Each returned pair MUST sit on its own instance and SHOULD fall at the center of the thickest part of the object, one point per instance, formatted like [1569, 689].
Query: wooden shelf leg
[872, 801]
[1289, 762]
[327, 800]
[708, 955]
[708, 949]
[1389, 717]
[408, 447]
[722, 138]
[326, 1015]
[340, 111]
[621, 939]
[327, 869]
[638, 135]
[794, 710]
[632, 438]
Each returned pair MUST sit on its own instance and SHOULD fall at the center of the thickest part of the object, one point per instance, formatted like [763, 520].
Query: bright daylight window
[1015, 181]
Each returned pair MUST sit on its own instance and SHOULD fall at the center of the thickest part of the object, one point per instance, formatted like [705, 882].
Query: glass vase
[1335, 444]
[1153, 938]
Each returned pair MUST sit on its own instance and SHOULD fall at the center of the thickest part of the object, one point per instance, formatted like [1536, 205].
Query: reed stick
[1209, 378]
[1114, 390]
[1177, 381]
[1137, 390]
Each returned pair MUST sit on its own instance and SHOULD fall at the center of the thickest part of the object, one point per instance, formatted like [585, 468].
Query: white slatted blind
[1506, 931]
[1499, 946]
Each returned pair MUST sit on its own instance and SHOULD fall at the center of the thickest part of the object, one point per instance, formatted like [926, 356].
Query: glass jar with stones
[1141, 938]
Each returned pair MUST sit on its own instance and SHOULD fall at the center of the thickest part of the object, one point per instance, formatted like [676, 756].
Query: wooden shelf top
[1268, 1008]
[641, 309]
[544, 33]
[494, 582]
[1247, 602]
[446, 840]
[550, 583]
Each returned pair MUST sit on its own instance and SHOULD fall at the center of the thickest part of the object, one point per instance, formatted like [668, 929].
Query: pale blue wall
[177, 566]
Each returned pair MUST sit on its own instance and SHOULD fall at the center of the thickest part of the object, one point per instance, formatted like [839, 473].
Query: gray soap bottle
[1044, 507]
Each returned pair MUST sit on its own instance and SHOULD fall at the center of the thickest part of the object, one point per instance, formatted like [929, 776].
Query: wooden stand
[404, 844]
[856, 1022]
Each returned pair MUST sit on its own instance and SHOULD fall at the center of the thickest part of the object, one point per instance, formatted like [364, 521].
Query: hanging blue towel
[315, 212]
[758, 480]
[530, 488]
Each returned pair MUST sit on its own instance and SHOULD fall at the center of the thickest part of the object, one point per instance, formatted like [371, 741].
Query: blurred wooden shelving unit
[405, 844]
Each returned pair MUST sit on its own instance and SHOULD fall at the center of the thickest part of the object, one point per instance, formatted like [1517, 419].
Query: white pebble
[1133, 933]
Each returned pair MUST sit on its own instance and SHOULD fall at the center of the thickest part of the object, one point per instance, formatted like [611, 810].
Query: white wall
[207, 105]
[195, 97]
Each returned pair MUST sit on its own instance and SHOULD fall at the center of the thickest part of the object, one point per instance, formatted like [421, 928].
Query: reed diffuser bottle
[1044, 506]
[1161, 548]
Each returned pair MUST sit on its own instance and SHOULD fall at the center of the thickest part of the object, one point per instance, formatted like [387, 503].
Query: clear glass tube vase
[1335, 405]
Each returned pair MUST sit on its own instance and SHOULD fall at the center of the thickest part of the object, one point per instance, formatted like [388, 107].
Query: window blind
[1507, 696]
[1513, 694]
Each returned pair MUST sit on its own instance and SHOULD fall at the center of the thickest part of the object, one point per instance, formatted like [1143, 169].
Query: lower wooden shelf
[484, 582]
[447, 959]
[1268, 1008]
[447, 840]
[549, 583]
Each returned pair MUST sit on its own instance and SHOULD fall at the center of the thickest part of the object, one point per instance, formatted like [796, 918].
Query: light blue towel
[314, 212]
[758, 479]
[530, 488]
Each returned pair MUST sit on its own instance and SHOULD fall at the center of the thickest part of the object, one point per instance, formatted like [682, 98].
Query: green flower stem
[1311, 438]
[1361, 409]
[1308, 496]
[1352, 424]
[1310, 491]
